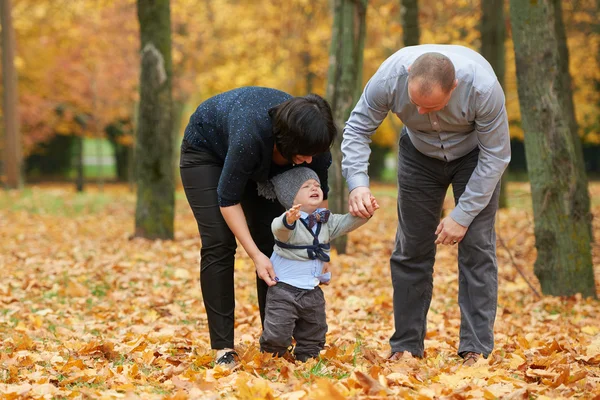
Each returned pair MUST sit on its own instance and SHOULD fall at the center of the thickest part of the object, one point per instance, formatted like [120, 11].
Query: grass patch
[88, 385]
[100, 290]
[161, 391]
[321, 370]
[59, 202]
[121, 360]
[107, 172]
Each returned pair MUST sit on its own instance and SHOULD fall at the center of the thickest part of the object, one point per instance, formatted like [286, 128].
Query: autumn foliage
[81, 58]
[87, 311]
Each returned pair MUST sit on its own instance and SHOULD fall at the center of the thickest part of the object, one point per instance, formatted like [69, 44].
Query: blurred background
[91, 308]
[78, 69]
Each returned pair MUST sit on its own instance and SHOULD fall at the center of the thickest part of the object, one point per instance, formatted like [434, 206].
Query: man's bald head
[430, 70]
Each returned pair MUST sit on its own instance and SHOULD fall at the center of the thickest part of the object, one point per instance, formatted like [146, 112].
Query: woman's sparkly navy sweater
[235, 127]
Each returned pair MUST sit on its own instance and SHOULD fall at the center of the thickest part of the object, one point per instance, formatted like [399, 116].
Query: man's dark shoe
[470, 358]
[399, 355]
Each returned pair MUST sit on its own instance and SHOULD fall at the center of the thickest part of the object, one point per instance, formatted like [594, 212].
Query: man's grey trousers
[422, 185]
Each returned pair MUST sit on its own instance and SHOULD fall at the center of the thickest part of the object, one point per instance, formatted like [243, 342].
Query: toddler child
[295, 305]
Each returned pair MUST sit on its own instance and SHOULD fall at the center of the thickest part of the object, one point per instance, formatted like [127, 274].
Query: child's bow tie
[317, 216]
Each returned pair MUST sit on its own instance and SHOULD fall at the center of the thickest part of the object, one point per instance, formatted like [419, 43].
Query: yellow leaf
[258, 390]
[593, 349]
[590, 329]
[327, 390]
[489, 395]
[515, 361]
[296, 395]
[181, 273]
[76, 289]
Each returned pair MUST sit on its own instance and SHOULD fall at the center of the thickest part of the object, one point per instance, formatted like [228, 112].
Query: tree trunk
[79, 178]
[596, 31]
[114, 132]
[12, 135]
[83, 121]
[177, 112]
[493, 36]
[309, 76]
[409, 13]
[554, 156]
[344, 84]
[155, 210]
[307, 58]
[566, 87]
[132, 165]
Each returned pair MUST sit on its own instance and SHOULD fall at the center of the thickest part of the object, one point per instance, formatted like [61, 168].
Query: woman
[234, 142]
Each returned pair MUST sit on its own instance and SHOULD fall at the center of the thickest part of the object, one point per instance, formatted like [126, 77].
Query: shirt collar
[304, 215]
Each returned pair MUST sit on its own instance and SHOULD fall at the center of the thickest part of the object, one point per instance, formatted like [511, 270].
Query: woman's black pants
[200, 174]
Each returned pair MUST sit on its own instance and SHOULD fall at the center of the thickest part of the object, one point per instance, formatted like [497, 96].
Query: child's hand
[374, 203]
[293, 214]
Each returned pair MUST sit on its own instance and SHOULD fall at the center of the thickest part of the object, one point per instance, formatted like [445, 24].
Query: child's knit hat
[286, 185]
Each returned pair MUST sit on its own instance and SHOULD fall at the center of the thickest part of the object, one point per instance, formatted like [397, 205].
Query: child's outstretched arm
[283, 226]
[341, 224]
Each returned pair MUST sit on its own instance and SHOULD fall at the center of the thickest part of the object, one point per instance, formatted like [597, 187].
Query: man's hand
[449, 232]
[360, 202]
[264, 269]
[293, 214]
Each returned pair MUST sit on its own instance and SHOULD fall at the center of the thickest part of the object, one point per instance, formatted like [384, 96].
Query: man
[455, 132]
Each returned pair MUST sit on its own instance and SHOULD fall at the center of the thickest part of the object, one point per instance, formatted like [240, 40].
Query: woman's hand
[236, 220]
[264, 269]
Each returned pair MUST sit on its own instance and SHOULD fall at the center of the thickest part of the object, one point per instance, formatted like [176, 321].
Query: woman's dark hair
[303, 126]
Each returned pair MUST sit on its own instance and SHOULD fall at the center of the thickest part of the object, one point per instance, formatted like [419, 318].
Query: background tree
[596, 32]
[409, 16]
[154, 216]
[12, 132]
[493, 36]
[344, 85]
[82, 120]
[64, 52]
[409, 12]
[554, 157]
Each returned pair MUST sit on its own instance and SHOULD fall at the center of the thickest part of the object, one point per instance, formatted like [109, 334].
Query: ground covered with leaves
[88, 312]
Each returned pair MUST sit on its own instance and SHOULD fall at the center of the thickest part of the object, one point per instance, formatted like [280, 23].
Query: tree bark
[596, 31]
[114, 132]
[493, 36]
[177, 112]
[566, 87]
[13, 157]
[82, 120]
[554, 157]
[409, 14]
[344, 85]
[155, 210]
[79, 174]
[307, 57]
